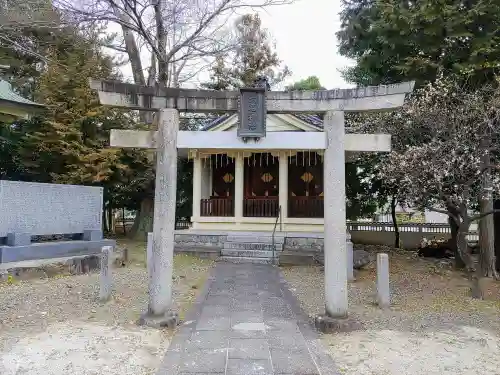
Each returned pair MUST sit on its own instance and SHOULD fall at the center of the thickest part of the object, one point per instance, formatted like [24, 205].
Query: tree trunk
[111, 224]
[487, 257]
[143, 222]
[161, 37]
[123, 222]
[397, 240]
[463, 246]
[486, 266]
[131, 48]
[459, 263]
[496, 221]
[463, 249]
[134, 58]
[104, 222]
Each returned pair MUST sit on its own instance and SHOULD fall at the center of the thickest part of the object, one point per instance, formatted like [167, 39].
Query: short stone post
[161, 259]
[350, 258]
[4, 274]
[106, 281]
[383, 291]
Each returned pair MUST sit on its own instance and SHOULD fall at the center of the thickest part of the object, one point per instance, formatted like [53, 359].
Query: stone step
[252, 246]
[255, 239]
[247, 260]
[249, 253]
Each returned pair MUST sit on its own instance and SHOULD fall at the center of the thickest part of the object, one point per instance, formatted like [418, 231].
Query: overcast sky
[304, 33]
[306, 41]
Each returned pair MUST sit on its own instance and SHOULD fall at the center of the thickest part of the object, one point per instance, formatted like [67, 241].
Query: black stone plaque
[252, 114]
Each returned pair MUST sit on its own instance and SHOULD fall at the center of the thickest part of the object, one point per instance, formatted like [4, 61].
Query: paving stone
[247, 334]
[205, 360]
[246, 323]
[207, 340]
[285, 340]
[223, 290]
[282, 325]
[248, 349]
[246, 306]
[249, 367]
[215, 310]
[246, 317]
[276, 308]
[297, 362]
[220, 323]
[217, 301]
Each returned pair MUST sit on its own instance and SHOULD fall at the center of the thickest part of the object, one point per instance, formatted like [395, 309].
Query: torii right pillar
[335, 249]
[335, 216]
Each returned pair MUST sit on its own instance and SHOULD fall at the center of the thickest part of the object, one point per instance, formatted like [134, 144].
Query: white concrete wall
[372, 235]
[409, 240]
[435, 217]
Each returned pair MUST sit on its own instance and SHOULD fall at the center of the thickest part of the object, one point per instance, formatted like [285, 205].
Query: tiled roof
[313, 120]
[210, 123]
[7, 94]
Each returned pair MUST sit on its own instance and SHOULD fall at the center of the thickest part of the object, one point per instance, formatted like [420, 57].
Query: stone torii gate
[168, 139]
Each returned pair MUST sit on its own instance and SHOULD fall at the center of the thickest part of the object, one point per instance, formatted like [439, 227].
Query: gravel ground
[56, 325]
[432, 327]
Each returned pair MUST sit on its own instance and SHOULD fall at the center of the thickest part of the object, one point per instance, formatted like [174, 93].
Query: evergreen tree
[69, 143]
[310, 83]
[255, 56]
[394, 41]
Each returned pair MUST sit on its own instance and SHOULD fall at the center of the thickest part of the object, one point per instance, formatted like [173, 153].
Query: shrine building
[248, 189]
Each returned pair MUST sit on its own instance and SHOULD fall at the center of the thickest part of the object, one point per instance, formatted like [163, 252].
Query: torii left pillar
[160, 313]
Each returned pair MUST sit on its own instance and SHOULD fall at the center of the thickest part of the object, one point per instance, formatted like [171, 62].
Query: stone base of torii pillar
[161, 257]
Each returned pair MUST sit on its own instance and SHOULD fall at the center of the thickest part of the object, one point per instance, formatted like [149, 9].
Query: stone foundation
[202, 245]
[298, 248]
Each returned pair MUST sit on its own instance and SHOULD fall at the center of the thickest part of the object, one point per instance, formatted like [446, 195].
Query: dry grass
[53, 324]
[432, 327]
[61, 296]
[423, 292]
[189, 275]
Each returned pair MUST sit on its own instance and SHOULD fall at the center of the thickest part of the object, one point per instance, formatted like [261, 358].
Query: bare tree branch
[484, 214]
[174, 30]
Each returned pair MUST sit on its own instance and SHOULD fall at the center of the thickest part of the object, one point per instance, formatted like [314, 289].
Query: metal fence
[427, 230]
[180, 224]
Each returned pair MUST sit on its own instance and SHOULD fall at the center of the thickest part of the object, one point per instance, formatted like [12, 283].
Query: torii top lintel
[153, 98]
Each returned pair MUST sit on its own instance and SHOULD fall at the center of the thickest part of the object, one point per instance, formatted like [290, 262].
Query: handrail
[278, 217]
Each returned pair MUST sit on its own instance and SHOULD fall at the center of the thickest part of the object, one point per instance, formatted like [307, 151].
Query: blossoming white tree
[452, 167]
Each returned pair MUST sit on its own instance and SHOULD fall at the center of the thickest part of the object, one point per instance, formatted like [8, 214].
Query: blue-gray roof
[313, 120]
[8, 95]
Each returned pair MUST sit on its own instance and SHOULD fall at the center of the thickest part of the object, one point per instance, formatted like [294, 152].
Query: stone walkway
[246, 321]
